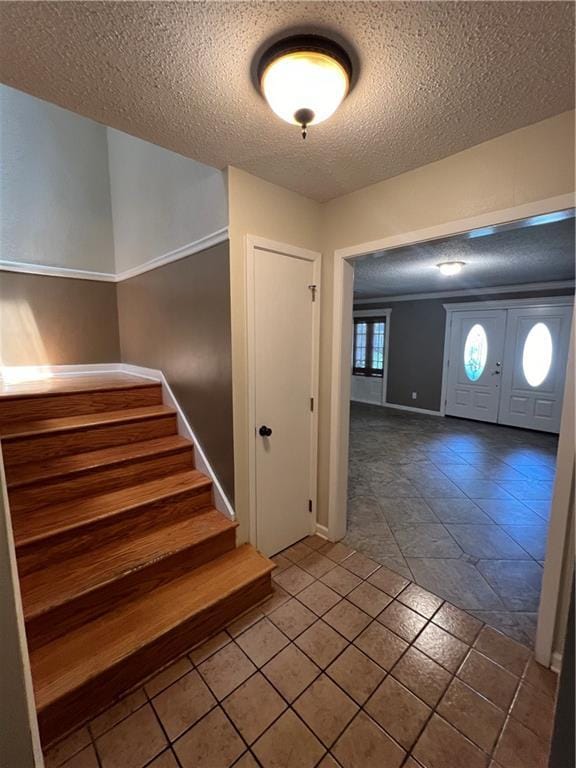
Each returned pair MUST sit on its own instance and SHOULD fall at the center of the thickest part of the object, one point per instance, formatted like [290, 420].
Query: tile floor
[347, 664]
[460, 507]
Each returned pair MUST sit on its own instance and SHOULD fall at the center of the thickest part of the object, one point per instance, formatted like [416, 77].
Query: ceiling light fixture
[304, 79]
[450, 267]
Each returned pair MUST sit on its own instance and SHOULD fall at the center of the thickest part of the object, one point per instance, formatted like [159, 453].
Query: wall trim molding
[54, 271]
[474, 306]
[221, 501]
[201, 244]
[552, 285]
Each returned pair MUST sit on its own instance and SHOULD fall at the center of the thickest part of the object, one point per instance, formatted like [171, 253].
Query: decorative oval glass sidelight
[475, 352]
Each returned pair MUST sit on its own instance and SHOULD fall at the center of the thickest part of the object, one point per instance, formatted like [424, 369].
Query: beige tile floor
[348, 664]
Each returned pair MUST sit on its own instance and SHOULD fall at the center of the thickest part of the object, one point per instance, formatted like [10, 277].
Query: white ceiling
[433, 78]
[534, 254]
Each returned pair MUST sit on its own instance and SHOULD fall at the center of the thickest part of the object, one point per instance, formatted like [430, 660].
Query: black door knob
[264, 431]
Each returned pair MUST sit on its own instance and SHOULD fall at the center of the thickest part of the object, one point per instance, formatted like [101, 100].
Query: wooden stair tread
[68, 579]
[44, 426]
[64, 385]
[49, 469]
[96, 647]
[53, 519]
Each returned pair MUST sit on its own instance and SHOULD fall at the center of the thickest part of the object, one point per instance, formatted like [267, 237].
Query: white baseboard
[411, 408]
[396, 407]
[221, 501]
[321, 530]
[556, 662]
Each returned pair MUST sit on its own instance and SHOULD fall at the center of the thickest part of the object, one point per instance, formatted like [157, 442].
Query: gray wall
[177, 318]
[161, 201]
[416, 347]
[57, 320]
[54, 187]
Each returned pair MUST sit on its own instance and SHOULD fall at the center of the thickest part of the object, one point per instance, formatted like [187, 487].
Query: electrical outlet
[414, 395]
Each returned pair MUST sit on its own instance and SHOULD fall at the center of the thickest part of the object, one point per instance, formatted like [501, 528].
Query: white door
[475, 361]
[534, 368]
[285, 328]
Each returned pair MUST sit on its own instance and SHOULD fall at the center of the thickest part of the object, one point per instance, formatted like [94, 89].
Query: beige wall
[531, 164]
[259, 208]
[57, 320]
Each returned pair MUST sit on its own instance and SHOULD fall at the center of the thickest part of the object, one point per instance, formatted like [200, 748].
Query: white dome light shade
[450, 267]
[299, 81]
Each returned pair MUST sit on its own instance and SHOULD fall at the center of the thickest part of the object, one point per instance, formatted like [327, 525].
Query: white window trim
[387, 313]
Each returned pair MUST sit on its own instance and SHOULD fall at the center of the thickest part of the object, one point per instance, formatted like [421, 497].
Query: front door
[285, 316]
[535, 358]
[475, 363]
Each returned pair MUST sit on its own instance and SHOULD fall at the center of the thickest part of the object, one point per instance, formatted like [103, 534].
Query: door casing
[252, 244]
[561, 516]
[553, 301]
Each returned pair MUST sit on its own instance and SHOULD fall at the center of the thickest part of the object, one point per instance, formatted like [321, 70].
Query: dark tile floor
[347, 665]
[461, 507]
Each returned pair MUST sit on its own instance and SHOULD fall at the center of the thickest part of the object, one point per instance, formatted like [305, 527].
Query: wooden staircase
[124, 562]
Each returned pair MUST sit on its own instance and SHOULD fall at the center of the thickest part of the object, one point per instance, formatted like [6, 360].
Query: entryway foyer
[459, 506]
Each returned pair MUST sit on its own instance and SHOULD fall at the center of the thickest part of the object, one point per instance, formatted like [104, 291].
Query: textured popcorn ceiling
[433, 78]
[529, 255]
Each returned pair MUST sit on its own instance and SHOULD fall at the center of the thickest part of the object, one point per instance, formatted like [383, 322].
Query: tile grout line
[361, 708]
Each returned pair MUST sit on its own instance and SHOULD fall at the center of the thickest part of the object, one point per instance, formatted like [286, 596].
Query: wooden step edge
[85, 421]
[138, 383]
[62, 598]
[79, 705]
[201, 484]
[50, 689]
[176, 444]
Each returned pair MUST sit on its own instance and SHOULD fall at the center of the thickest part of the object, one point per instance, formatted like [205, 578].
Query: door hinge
[309, 505]
[312, 404]
[313, 289]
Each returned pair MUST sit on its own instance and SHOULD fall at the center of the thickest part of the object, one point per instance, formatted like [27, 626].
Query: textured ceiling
[433, 78]
[537, 254]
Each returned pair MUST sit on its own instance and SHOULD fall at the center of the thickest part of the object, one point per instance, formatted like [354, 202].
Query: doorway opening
[453, 435]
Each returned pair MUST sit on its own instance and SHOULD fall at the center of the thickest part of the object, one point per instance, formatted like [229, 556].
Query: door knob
[496, 373]
[264, 431]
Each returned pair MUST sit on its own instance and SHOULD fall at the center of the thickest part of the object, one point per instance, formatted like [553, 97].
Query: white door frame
[252, 244]
[474, 306]
[387, 313]
[340, 385]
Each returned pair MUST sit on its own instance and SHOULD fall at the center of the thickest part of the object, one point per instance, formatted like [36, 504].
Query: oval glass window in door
[475, 352]
[537, 354]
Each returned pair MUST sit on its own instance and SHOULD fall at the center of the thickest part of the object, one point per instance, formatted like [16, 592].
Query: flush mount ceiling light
[304, 79]
[450, 267]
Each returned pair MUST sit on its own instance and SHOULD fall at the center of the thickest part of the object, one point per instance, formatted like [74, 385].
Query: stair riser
[75, 613]
[85, 702]
[32, 407]
[101, 480]
[97, 533]
[36, 447]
